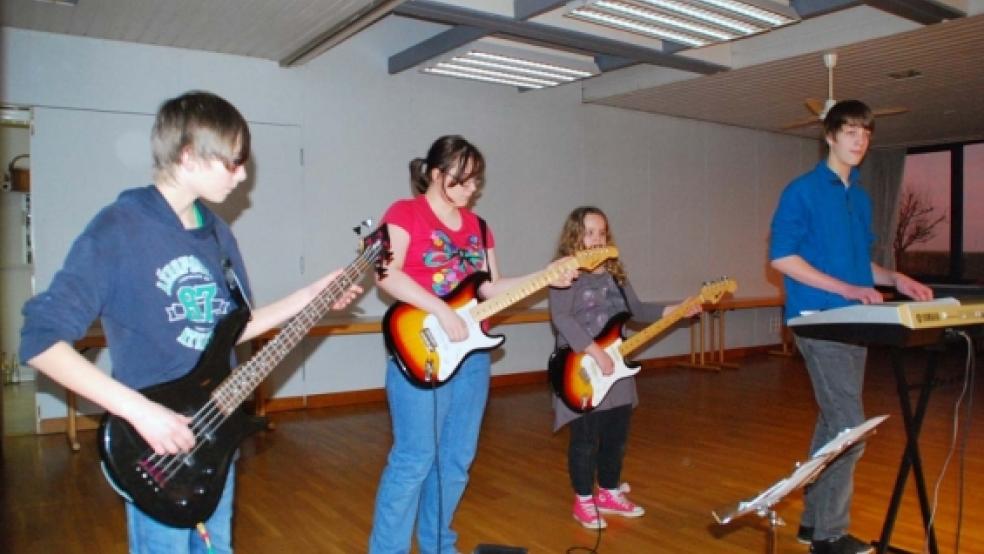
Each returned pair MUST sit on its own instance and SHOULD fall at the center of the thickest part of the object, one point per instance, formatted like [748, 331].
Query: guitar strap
[229, 273]
[484, 229]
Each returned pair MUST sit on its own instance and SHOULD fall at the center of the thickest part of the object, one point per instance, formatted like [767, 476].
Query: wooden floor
[700, 441]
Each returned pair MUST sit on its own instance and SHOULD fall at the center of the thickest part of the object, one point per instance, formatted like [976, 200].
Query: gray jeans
[837, 372]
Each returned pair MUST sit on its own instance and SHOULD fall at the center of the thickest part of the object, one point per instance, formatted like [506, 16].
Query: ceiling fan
[819, 108]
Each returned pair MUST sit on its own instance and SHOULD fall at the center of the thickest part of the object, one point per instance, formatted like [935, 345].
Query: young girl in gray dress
[579, 313]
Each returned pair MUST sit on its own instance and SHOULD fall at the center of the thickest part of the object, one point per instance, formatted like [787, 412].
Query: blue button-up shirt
[829, 226]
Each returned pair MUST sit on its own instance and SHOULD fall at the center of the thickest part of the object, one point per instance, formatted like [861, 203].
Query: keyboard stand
[911, 460]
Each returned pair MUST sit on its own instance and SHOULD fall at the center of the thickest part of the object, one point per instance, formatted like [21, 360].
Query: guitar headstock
[593, 257]
[375, 246]
[712, 291]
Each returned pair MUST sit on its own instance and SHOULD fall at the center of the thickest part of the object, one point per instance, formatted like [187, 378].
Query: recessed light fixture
[69, 3]
[907, 74]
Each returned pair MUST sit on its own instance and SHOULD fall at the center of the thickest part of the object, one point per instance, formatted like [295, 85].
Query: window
[940, 233]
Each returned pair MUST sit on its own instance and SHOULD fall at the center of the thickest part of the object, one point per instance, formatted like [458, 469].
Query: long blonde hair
[572, 239]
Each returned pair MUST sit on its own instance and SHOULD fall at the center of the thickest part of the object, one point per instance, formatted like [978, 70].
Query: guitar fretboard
[242, 381]
[709, 293]
[585, 258]
[637, 340]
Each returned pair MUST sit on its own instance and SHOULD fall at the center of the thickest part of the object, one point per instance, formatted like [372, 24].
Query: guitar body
[193, 489]
[420, 346]
[575, 376]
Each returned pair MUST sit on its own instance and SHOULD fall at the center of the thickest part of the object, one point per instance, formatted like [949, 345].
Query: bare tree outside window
[917, 224]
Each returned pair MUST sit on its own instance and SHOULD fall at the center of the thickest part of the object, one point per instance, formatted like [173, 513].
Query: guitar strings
[210, 416]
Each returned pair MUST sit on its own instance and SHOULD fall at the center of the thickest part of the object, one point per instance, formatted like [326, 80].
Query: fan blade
[801, 123]
[890, 111]
[814, 105]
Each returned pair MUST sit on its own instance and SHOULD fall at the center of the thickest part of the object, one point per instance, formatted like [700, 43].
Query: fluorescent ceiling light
[505, 69]
[772, 18]
[705, 15]
[449, 73]
[626, 24]
[658, 18]
[497, 74]
[527, 63]
[693, 23]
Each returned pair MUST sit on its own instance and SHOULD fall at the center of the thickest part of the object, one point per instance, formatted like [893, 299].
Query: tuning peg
[364, 224]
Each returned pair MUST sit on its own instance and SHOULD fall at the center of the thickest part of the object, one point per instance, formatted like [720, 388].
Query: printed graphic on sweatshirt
[189, 283]
[453, 263]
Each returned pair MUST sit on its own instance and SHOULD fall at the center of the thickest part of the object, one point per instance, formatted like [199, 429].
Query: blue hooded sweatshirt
[157, 288]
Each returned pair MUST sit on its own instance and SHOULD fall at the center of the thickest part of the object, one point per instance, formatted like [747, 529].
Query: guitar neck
[520, 291]
[241, 383]
[637, 340]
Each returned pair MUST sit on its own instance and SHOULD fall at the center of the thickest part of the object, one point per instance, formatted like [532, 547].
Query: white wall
[688, 200]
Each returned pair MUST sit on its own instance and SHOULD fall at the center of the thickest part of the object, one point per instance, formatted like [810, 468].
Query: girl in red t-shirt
[436, 243]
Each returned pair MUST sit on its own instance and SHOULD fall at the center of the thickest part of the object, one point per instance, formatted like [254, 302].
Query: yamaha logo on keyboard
[927, 317]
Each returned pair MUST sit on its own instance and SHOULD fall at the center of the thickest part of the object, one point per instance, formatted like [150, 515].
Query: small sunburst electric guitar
[576, 377]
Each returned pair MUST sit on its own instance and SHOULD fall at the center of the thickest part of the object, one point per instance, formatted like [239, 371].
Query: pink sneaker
[587, 515]
[615, 502]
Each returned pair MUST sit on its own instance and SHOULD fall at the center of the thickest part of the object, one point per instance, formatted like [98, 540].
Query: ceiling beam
[807, 9]
[550, 36]
[329, 38]
[433, 47]
[462, 35]
[528, 9]
[611, 63]
[926, 12]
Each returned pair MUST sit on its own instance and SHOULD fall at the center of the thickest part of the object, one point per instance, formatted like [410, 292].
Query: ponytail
[418, 175]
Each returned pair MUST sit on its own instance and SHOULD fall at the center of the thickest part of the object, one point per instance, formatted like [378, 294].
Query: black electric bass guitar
[422, 349]
[182, 490]
[576, 377]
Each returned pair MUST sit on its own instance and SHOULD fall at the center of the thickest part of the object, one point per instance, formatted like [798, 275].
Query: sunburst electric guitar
[182, 490]
[422, 349]
[576, 377]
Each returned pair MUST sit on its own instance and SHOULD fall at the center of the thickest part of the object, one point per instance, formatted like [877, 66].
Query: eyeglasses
[475, 181]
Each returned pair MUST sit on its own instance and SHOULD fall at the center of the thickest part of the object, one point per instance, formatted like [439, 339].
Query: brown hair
[848, 112]
[205, 123]
[572, 239]
[450, 154]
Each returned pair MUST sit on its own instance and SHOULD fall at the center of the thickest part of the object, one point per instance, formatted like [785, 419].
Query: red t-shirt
[439, 258]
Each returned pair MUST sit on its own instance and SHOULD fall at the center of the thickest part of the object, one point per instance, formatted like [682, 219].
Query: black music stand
[805, 473]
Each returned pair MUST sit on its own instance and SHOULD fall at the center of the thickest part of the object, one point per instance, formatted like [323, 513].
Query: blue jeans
[837, 373]
[425, 471]
[148, 536]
